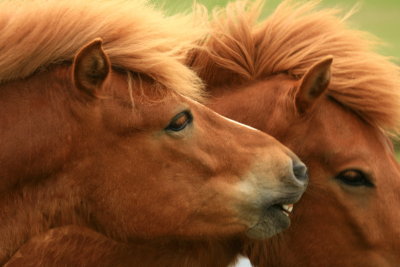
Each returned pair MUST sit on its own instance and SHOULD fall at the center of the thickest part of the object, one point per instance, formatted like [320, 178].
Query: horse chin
[273, 221]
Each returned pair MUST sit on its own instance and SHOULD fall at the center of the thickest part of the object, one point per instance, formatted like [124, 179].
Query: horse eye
[180, 121]
[354, 178]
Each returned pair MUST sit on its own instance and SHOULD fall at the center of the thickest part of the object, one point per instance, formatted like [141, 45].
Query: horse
[305, 77]
[107, 157]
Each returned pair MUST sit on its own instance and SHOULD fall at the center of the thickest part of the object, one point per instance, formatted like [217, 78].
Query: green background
[380, 17]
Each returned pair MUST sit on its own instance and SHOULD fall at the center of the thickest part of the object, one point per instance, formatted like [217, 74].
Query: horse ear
[313, 84]
[91, 67]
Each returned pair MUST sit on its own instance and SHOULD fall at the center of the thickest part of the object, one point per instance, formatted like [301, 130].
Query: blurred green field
[380, 17]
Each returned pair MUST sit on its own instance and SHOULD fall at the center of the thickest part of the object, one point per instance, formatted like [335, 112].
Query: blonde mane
[290, 41]
[38, 33]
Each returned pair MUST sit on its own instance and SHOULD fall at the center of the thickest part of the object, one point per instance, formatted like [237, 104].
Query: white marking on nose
[241, 124]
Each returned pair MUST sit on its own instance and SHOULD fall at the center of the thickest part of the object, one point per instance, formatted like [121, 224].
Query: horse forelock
[293, 38]
[39, 33]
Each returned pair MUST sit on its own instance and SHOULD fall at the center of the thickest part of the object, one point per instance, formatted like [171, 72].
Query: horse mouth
[274, 219]
[286, 208]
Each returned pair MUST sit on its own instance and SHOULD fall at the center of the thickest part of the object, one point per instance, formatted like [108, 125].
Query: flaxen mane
[291, 40]
[38, 33]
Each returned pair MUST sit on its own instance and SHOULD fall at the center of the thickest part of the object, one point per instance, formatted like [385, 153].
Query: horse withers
[106, 157]
[304, 77]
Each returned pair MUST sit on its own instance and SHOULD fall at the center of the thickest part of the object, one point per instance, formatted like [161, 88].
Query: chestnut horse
[278, 76]
[106, 158]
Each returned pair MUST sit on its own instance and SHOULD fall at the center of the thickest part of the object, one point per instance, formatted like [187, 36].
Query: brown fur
[254, 73]
[291, 40]
[89, 162]
[72, 245]
[146, 42]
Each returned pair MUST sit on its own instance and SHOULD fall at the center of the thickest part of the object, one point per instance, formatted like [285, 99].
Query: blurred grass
[379, 17]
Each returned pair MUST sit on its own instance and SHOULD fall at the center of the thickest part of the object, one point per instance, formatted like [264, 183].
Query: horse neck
[36, 208]
[76, 246]
[35, 131]
[217, 253]
[35, 147]
[183, 253]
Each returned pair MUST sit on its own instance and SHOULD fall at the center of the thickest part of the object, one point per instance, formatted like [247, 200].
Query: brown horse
[107, 159]
[278, 76]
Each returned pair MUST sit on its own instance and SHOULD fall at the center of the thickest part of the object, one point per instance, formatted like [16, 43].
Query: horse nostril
[300, 171]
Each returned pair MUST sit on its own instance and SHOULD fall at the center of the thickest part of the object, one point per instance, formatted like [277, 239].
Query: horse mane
[39, 33]
[291, 40]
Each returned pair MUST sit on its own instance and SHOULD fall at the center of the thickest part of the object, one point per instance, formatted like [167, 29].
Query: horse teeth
[288, 208]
